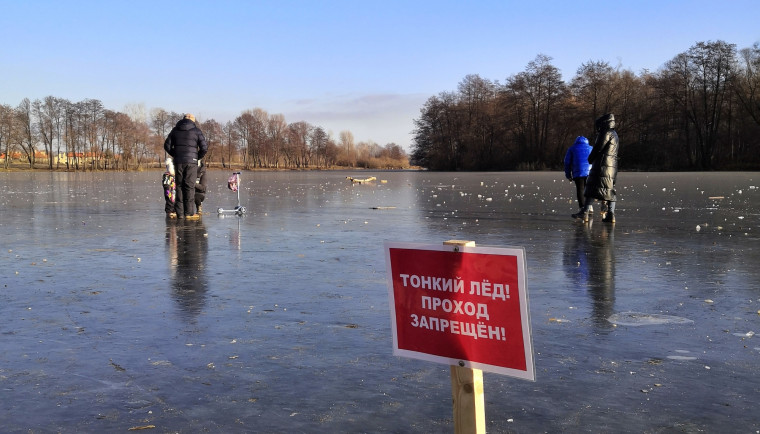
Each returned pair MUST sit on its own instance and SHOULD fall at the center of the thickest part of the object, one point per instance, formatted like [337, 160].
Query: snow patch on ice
[682, 358]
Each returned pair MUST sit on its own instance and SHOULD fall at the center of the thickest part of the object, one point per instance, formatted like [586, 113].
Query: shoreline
[212, 167]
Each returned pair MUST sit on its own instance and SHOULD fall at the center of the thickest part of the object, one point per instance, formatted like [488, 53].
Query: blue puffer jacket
[576, 159]
[186, 143]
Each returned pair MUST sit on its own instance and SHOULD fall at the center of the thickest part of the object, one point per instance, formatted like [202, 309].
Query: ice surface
[112, 317]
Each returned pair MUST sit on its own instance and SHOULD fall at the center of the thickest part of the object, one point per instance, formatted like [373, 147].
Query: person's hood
[185, 124]
[581, 141]
[605, 122]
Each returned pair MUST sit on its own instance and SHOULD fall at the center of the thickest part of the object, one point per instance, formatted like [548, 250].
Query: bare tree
[347, 148]
[539, 90]
[124, 143]
[161, 122]
[477, 103]
[748, 81]
[54, 111]
[275, 139]
[229, 143]
[45, 128]
[8, 122]
[297, 149]
[92, 124]
[214, 134]
[318, 145]
[699, 81]
[593, 88]
[27, 137]
[246, 128]
[438, 139]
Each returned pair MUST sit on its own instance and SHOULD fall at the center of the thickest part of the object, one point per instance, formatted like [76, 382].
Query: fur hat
[170, 165]
[190, 116]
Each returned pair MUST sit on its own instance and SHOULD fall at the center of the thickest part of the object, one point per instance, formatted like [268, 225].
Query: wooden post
[467, 388]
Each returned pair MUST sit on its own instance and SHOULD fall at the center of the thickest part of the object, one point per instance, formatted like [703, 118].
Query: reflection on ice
[643, 319]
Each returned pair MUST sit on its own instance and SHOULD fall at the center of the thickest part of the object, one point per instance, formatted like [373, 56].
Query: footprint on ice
[644, 319]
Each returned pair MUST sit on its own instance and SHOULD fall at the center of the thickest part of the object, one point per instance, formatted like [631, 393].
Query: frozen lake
[112, 317]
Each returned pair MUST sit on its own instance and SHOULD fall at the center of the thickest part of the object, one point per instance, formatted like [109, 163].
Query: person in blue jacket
[577, 167]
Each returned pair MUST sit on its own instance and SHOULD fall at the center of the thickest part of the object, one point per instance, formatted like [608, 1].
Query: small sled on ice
[233, 183]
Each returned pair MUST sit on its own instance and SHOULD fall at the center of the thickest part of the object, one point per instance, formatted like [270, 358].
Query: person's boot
[578, 215]
[609, 218]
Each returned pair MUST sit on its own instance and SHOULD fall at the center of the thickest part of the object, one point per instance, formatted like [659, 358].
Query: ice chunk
[749, 334]
[641, 319]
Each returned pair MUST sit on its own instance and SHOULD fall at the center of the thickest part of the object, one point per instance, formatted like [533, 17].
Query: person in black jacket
[200, 186]
[600, 184]
[186, 144]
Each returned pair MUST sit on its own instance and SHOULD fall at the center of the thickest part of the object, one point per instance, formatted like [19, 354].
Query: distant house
[15, 155]
[76, 158]
[81, 157]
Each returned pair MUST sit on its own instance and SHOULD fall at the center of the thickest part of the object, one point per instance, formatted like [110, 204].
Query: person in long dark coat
[600, 184]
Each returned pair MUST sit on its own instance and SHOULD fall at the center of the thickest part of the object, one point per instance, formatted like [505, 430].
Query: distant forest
[700, 111]
[57, 134]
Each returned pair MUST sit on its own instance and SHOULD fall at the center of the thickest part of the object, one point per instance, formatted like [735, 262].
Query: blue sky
[363, 66]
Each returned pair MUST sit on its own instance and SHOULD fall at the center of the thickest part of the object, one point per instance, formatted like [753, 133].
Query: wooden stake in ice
[467, 388]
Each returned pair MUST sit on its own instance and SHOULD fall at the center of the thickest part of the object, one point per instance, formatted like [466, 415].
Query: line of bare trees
[267, 141]
[58, 134]
[700, 111]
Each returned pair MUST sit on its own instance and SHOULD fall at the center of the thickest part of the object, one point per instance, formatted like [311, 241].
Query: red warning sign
[459, 305]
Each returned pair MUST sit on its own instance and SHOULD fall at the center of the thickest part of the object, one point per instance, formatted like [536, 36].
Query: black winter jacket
[604, 161]
[185, 143]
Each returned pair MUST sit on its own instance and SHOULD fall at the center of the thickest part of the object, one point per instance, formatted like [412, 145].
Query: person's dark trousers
[179, 209]
[169, 205]
[186, 174]
[580, 186]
